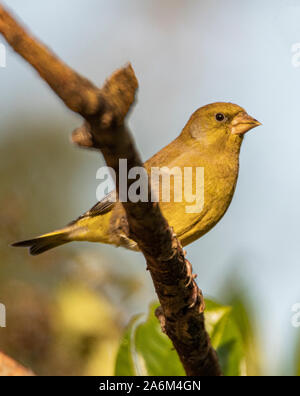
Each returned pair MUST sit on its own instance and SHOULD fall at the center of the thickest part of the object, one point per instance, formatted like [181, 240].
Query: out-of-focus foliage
[145, 350]
[297, 365]
[234, 334]
[244, 318]
[125, 363]
[66, 308]
[71, 329]
[226, 338]
[296, 353]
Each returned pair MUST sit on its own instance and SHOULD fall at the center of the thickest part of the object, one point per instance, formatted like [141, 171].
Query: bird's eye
[220, 117]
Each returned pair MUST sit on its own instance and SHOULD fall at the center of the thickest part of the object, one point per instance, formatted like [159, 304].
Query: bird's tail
[45, 242]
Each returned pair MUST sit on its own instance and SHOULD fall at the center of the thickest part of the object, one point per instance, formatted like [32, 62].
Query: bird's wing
[104, 206]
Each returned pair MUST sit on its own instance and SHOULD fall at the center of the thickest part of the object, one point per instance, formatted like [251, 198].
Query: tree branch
[104, 111]
[9, 368]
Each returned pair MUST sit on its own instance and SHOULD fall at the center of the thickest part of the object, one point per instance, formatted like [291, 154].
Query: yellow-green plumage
[205, 142]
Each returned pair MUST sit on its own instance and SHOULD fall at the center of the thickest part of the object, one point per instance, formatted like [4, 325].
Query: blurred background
[66, 309]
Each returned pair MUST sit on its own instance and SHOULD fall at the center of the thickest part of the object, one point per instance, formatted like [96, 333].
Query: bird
[211, 140]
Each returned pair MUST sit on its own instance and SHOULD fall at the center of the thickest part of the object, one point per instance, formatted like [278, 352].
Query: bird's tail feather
[44, 242]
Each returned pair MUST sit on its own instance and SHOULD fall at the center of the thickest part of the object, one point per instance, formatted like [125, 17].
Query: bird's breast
[212, 197]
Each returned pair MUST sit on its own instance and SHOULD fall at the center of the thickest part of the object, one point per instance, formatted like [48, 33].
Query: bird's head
[219, 126]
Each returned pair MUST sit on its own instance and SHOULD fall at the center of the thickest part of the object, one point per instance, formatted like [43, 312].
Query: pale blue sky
[188, 53]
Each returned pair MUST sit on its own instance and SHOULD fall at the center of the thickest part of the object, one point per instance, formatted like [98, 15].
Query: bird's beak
[242, 123]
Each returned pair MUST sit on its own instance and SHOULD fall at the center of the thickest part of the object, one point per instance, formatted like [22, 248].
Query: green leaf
[155, 352]
[241, 312]
[145, 350]
[226, 338]
[125, 364]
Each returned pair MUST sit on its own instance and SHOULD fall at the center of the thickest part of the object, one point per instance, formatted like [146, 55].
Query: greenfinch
[210, 142]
